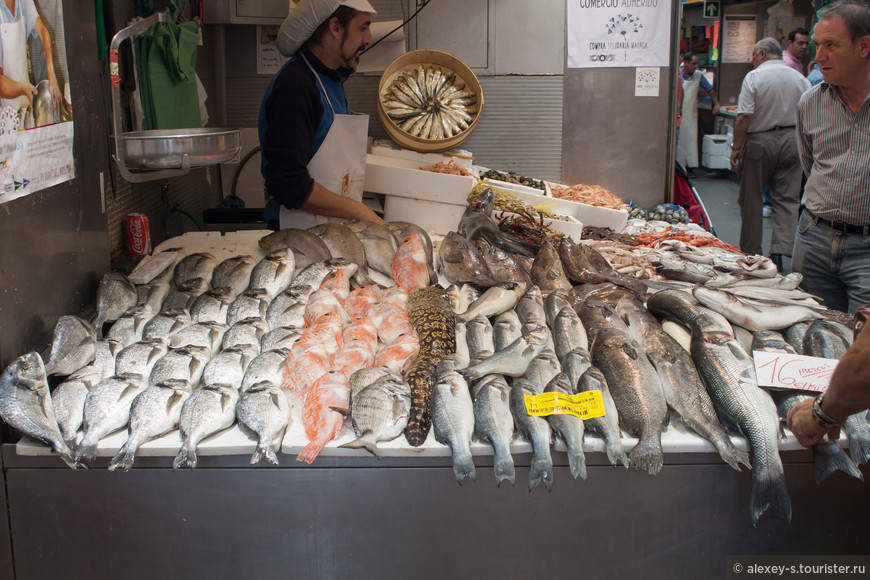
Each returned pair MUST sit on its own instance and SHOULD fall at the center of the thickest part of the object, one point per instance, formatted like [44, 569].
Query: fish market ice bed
[235, 441]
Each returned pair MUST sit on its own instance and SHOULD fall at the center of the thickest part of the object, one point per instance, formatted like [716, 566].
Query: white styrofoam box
[391, 150]
[383, 175]
[436, 217]
[717, 145]
[591, 215]
[716, 161]
[514, 187]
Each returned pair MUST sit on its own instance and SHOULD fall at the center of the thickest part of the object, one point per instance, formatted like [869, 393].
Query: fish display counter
[320, 480]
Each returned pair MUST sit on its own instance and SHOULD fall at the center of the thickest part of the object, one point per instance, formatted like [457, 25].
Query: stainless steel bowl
[166, 149]
[44, 111]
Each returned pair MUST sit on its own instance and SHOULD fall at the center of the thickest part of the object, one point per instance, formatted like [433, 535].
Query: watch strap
[821, 418]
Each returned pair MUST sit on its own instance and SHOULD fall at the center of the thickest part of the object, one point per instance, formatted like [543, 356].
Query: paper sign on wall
[618, 33]
[793, 371]
[646, 81]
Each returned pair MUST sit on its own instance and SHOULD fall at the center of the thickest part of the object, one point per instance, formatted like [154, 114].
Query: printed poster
[36, 125]
[618, 33]
[738, 41]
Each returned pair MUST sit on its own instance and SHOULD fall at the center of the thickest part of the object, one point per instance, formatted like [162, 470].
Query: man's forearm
[324, 202]
[741, 128]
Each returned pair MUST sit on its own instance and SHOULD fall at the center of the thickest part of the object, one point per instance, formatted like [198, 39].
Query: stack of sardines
[430, 102]
[205, 343]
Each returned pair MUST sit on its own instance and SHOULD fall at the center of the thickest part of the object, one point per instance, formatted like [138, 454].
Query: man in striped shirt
[832, 244]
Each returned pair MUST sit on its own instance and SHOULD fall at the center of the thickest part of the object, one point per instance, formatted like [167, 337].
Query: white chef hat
[306, 16]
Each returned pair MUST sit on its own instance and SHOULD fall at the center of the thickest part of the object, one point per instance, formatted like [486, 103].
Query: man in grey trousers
[765, 150]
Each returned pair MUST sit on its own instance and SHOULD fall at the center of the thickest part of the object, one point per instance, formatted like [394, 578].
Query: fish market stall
[336, 509]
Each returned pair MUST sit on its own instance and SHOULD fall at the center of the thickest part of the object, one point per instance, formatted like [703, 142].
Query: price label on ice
[584, 405]
[793, 371]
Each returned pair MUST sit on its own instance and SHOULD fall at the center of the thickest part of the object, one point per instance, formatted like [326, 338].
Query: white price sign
[793, 371]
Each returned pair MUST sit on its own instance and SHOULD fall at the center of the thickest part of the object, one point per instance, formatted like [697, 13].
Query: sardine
[73, 345]
[493, 422]
[536, 430]
[208, 410]
[25, 404]
[379, 411]
[453, 422]
[115, 295]
[154, 412]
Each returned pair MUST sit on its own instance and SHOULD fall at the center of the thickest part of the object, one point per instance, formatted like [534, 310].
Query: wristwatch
[821, 418]
[736, 147]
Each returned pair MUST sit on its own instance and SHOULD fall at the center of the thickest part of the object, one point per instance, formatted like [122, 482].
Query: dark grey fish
[307, 248]
[569, 427]
[476, 223]
[73, 346]
[493, 422]
[115, 295]
[453, 422]
[794, 335]
[547, 271]
[637, 392]
[344, 243]
[25, 404]
[535, 430]
[584, 265]
[460, 262]
[504, 266]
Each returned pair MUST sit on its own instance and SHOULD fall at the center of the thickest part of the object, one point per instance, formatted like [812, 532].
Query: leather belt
[774, 128]
[840, 226]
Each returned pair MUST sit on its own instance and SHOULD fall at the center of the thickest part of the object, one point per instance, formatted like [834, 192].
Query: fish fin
[647, 455]
[310, 452]
[828, 457]
[463, 466]
[769, 491]
[86, 452]
[186, 456]
[274, 398]
[127, 391]
[225, 402]
[577, 464]
[616, 454]
[124, 459]
[504, 469]
[344, 411]
[174, 399]
[364, 442]
[541, 470]
[733, 456]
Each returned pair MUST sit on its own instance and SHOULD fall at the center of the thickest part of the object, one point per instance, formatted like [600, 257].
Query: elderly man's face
[690, 66]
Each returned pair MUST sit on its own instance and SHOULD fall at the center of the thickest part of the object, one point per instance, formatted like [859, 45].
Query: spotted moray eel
[434, 323]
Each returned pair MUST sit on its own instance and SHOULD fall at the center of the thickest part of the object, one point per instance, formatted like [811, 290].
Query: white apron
[687, 142]
[14, 39]
[339, 164]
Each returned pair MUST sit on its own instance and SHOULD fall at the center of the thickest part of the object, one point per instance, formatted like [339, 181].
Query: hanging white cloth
[14, 38]
[687, 143]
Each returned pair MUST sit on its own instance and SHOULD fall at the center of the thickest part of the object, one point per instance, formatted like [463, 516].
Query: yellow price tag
[587, 405]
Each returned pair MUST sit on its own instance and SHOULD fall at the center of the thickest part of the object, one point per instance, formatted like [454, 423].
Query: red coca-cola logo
[136, 238]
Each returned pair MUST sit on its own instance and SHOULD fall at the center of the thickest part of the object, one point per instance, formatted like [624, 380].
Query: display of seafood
[513, 177]
[588, 194]
[349, 335]
[430, 102]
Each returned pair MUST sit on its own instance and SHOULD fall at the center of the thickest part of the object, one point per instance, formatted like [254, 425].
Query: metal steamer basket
[448, 64]
[161, 154]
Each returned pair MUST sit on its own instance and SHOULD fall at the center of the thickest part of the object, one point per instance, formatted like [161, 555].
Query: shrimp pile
[653, 239]
[450, 168]
[588, 194]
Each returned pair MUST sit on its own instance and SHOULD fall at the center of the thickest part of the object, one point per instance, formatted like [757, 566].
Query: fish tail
[577, 464]
[124, 459]
[541, 470]
[859, 446]
[463, 466]
[731, 455]
[504, 468]
[68, 458]
[310, 452]
[828, 457]
[364, 442]
[86, 452]
[186, 456]
[647, 455]
[769, 491]
[264, 450]
[615, 453]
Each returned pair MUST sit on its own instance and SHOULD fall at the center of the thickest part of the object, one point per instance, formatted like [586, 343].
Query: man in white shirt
[798, 41]
[765, 150]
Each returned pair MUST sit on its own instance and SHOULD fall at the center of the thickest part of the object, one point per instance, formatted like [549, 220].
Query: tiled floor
[718, 192]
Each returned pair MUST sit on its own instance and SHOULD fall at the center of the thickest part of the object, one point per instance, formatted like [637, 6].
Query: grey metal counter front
[407, 518]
